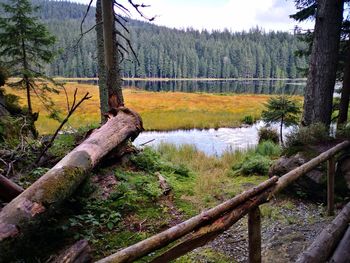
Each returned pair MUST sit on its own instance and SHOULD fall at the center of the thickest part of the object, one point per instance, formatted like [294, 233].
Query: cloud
[235, 15]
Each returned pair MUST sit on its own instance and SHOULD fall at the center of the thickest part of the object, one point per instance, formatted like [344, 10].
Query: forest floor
[177, 110]
[122, 204]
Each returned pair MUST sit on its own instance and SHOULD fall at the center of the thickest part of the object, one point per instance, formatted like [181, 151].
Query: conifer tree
[24, 48]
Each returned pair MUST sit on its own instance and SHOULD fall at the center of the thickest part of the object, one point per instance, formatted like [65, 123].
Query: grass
[159, 110]
[211, 182]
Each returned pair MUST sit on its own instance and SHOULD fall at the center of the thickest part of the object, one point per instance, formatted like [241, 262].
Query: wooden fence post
[330, 186]
[254, 235]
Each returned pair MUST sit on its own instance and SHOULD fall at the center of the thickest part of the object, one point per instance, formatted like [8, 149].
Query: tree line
[171, 53]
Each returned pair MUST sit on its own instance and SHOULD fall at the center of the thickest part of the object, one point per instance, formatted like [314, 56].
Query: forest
[171, 53]
[238, 150]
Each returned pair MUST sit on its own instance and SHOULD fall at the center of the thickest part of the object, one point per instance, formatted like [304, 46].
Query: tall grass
[159, 110]
[213, 180]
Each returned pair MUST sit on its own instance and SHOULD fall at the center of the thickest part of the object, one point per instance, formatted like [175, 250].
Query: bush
[312, 134]
[253, 164]
[147, 160]
[268, 134]
[268, 148]
[248, 119]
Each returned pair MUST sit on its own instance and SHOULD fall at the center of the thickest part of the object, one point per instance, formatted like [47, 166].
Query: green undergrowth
[135, 207]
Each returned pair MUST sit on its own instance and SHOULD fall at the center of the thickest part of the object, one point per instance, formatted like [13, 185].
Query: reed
[159, 110]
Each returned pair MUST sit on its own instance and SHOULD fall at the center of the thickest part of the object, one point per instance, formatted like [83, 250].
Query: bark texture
[101, 69]
[342, 252]
[318, 98]
[345, 92]
[113, 79]
[27, 210]
[78, 253]
[324, 244]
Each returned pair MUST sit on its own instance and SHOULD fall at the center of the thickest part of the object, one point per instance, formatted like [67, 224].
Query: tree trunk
[342, 252]
[325, 243]
[3, 110]
[318, 98]
[345, 92]
[78, 253]
[113, 80]
[101, 62]
[281, 130]
[30, 208]
[8, 189]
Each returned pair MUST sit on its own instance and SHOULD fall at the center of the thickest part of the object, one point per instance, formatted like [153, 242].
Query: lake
[252, 86]
[211, 142]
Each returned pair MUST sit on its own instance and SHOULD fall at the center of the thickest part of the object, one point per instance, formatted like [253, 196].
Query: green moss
[205, 255]
[58, 184]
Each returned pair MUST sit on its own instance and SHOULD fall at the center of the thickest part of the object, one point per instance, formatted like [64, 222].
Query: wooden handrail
[293, 175]
[211, 223]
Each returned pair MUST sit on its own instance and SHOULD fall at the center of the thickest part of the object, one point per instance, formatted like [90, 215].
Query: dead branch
[69, 114]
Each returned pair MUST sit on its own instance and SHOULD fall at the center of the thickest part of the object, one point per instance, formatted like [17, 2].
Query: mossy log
[8, 189]
[325, 243]
[30, 207]
[206, 226]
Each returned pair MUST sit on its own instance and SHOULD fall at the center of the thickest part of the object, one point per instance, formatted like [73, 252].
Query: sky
[235, 15]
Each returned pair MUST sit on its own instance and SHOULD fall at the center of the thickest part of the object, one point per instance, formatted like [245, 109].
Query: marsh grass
[212, 181]
[159, 110]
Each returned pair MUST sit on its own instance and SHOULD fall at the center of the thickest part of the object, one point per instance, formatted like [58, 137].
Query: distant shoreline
[180, 79]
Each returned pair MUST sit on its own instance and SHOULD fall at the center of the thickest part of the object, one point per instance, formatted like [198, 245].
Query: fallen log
[78, 253]
[163, 184]
[342, 252]
[325, 243]
[212, 230]
[164, 238]
[60, 182]
[8, 189]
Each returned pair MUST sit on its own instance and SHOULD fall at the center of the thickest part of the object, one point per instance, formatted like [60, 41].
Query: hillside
[165, 52]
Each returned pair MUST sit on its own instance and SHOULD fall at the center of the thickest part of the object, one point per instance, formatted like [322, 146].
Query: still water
[211, 142]
[271, 86]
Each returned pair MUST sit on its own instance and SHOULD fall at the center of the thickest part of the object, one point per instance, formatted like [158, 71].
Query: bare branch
[85, 15]
[70, 112]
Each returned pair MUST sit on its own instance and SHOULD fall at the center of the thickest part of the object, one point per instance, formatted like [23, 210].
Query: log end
[7, 231]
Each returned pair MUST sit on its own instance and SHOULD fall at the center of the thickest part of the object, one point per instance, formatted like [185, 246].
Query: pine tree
[283, 110]
[24, 48]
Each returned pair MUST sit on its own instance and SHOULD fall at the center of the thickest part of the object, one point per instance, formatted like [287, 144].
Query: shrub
[268, 148]
[147, 160]
[312, 134]
[248, 119]
[268, 134]
[253, 164]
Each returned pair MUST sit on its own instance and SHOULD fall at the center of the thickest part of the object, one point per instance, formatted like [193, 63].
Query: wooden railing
[199, 230]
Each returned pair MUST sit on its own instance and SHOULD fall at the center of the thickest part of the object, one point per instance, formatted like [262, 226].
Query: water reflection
[291, 87]
[211, 142]
[273, 86]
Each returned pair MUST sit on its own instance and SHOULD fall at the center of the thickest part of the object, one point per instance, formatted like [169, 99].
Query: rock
[313, 184]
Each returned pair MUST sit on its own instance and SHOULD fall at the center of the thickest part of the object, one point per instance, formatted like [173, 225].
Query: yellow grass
[159, 110]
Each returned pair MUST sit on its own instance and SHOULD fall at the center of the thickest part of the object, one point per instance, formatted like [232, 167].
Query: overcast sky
[236, 15]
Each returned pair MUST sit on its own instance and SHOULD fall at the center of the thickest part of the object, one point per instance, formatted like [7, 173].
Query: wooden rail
[206, 226]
